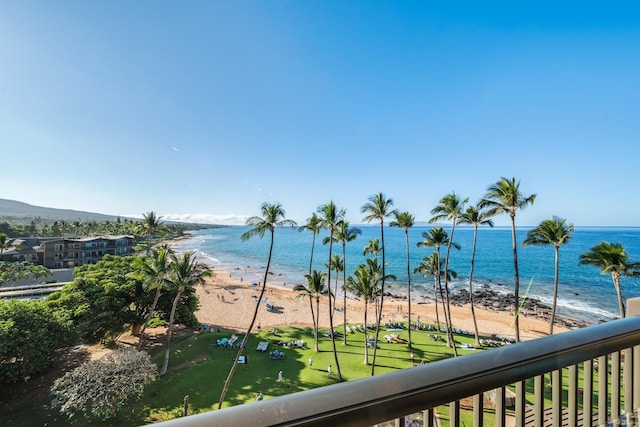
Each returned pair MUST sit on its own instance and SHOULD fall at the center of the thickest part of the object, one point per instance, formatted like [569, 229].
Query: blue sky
[214, 107]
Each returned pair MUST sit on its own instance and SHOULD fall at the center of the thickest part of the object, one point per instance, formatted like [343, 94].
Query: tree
[612, 259]
[314, 226]
[554, 232]
[344, 235]
[273, 215]
[185, 272]
[438, 237]
[336, 264]
[505, 197]
[315, 287]
[475, 216]
[449, 207]
[377, 209]
[148, 225]
[29, 332]
[154, 272]
[405, 221]
[363, 285]
[97, 388]
[4, 243]
[21, 270]
[330, 216]
[373, 248]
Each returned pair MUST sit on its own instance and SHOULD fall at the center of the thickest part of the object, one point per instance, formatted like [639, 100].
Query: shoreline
[228, 301]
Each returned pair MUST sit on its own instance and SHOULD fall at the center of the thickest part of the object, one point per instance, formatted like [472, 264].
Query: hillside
[12, 210]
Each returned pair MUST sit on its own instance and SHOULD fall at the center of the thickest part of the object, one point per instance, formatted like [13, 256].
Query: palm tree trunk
[516, 289]
[169, 332]
[366, 343]
[333, 335]
[452, 340]
[473, 310]
[616, 283]
[379, 318]
[406, 236]
[435, 294]
[313, 245]
[317, 321]
[344, 292]
[149, 316]
[243, 343]
[313, 319]
[555, 291]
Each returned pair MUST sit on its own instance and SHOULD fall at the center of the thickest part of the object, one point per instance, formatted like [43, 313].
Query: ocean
[584, 293]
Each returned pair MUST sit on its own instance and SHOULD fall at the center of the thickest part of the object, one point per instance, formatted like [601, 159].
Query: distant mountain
[14, 210]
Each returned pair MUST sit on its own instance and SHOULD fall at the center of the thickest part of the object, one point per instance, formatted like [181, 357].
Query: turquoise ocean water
[584, 293]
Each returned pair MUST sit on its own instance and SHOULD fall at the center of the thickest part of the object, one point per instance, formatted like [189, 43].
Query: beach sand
[229, 303]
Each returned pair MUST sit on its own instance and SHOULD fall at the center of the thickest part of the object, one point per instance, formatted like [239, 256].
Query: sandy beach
[229, 303]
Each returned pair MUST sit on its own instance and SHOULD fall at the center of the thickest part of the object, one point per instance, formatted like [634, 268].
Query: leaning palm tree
[377, 209]
[436, 238]
[154, 272]
[363, 285]
[554, 232]
[612, 259]
[475, 216]
[330, 216]
[314, 226]
[185, 273]
[344, 235]
[505, 197]
[273, 215]
[449, 207]
[315, 287]
[405, 221]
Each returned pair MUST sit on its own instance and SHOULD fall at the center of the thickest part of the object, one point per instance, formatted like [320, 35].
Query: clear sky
[214, 107]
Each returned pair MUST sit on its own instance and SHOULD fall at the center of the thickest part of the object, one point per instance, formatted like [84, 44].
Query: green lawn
[198, 369]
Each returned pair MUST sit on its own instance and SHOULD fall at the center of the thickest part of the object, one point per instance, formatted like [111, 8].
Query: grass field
[198, 368]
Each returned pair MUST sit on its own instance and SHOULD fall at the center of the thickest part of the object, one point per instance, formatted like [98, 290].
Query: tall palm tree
[431, 266]
[363, 285]
[315, 287]
[373, 248]
[436, 238]
[475, 216]
[154, 272]
[612, 259]
[554, 232]
[377, 209]
[449, 207]
[405, 221]
[314, 225]
[149, 223]
[330, 216]
[344, 235]
[185, 273]
[505, 197]
[273, 215]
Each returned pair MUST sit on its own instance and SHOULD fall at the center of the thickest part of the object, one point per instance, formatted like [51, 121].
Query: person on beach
[329, 371]
[280, 376]
[310, 361]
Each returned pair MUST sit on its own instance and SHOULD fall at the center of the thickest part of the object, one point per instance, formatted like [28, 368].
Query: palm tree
[154, 272]
[377, 209]
[314, 226]
[273, 215]
[345, 234]
[449, 207]
[436, 238]
[431, 266]
[148, 225]
[337, 265]
[553, 232]
[505, 197]
[330, 216]
[185, 273]
[475, 216]
[373, 248]
[363, 285]
[405, 221]
[612, 259]
[315, 287]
